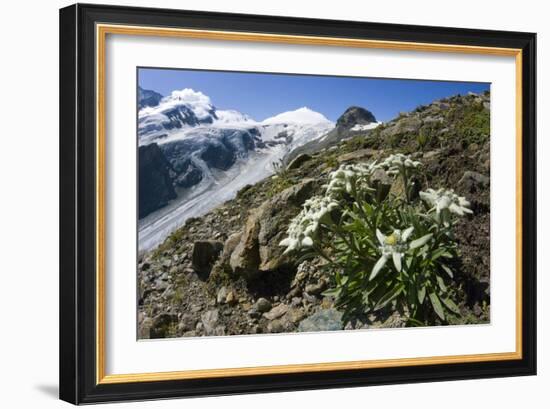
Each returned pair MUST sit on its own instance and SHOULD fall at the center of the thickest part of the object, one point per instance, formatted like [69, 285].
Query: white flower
[394, 163]
[395, 245]
[349, 177]
[304, 226]
[442, 199]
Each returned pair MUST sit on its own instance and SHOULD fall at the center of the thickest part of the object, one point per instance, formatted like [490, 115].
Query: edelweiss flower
[442, 199]
[394, 162]
[348, 177]
[395, 245]
[304, 226]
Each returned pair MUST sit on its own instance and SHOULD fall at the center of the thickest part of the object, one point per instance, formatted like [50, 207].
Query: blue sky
[264, 95]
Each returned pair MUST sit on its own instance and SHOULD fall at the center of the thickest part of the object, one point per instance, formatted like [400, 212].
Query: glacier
[227, 148]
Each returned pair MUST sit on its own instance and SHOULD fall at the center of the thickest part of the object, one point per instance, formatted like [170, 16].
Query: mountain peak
[353, 116]
[302, 115]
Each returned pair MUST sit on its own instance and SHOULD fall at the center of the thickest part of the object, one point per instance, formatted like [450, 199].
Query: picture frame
[83, 213]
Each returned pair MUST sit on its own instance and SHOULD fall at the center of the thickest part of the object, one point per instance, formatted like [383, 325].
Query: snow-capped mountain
[213, 153]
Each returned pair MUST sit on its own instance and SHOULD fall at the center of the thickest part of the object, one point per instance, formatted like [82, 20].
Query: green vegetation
[384, 250]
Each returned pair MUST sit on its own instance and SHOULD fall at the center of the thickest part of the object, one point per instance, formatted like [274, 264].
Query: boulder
[258, 249]
[245, 259]
[298, 161]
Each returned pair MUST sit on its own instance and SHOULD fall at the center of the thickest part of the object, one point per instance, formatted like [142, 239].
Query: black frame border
[78, 197]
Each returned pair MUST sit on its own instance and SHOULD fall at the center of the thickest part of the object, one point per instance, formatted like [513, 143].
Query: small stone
[296, 301]
[276, 312]
[162, 325]
[295, 315]
[231, 298]
[316, 289]
[262, 305]
[431, 154]
[144, 328]
[222, 295]
[209, 320]
[275, 326]
[188, 322]
[161, 285]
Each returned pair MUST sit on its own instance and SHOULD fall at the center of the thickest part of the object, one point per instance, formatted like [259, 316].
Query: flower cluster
[395, 163]
[349, 178]
[442, 199]
[304, 226]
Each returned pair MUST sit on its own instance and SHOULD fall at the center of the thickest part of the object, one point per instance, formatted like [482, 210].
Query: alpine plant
[386, 252]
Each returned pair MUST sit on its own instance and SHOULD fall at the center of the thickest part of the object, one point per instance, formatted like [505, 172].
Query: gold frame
[102, 30]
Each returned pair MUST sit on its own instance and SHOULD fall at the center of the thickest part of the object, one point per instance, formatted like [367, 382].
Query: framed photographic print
[258, 203]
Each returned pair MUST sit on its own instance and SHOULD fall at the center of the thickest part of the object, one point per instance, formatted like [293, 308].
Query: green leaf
[447, 270]
[389, 296]
[438, 308]
[438, 253]
[451, 305]
[421, 294]
[441, 284]
[421, 241]
[333, 292]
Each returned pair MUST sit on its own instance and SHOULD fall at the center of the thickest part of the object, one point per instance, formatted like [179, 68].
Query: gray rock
[431, 154]
[296, 301]
[298, 161]
[245, 259]
[205, 253]
[276, 312]
[316, 289]
[258, 249]
[144, 328]
[262, 305]
[209, 321]
[231, 298]
[382, 182]
[322, 320]
[162, 325]
[473, 181]
[275, 326]
[295, 315]
[188, 322]
[161, 285]
[409, 124]
[222, 295]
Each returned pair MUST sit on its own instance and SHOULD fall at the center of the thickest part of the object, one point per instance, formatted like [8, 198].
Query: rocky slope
[224, 273]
